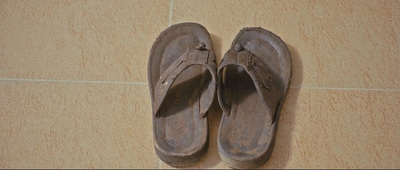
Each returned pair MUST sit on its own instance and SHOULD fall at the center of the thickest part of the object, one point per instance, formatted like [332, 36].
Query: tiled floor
[74, 93]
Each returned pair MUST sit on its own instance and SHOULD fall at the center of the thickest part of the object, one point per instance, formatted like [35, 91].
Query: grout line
[170, 11]
[71, 81]
[343, 88]
[145, 83]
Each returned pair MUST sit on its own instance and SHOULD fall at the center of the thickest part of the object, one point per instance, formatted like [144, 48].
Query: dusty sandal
[182, 81]
[254, 77]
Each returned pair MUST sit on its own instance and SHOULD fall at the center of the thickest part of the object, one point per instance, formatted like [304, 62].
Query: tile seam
[70, 81]
[145, 83]
[344, 88]
[170, 11]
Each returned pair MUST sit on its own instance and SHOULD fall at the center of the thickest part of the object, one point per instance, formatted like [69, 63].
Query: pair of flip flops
[251, 83]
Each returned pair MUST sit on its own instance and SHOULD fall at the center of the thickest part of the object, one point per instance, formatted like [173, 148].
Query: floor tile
[75, 125]
[338, 129]
[79, 40]
[341, 112]
[329, 129]
[353, 44]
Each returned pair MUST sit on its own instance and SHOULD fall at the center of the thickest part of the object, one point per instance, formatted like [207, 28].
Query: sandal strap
[192, 56]
[259, 73]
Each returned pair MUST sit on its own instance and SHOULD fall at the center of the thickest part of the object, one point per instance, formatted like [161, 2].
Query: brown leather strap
[260, 74]
[191, 57]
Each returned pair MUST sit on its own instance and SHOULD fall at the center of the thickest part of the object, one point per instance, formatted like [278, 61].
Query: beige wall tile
[333, 43]
[79, 40]
[329, 129]
[75, 125]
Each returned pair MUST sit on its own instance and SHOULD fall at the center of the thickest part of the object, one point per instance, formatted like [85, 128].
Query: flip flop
[254, 76]
[182, 80]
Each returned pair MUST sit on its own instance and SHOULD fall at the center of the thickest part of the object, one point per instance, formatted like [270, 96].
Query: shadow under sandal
[182, 80]
[254, 77]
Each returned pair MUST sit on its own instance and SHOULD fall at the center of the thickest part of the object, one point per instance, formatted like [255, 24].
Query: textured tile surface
[79, 40]
[333, 43]
[341, 112]
[338, 129]
[75, 125]
[329, 129]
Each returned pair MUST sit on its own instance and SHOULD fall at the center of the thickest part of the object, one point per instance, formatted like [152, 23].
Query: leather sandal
[253, 80]
[182, 81]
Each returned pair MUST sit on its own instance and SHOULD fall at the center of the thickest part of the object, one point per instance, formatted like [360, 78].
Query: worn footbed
[246, 137]
[180, 135]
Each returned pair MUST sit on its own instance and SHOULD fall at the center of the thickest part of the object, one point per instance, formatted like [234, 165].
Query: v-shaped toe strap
[193, 56]
[260, 74]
